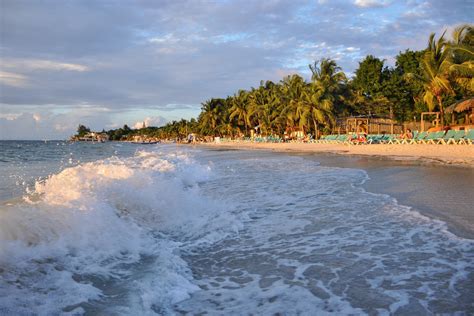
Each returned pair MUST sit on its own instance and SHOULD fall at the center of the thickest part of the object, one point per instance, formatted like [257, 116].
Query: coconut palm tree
[321, 106]
[462, 46]
[436, 63]
[240, 109]
[296, 110]
[209, 117]
[327, 79]
[329, 73]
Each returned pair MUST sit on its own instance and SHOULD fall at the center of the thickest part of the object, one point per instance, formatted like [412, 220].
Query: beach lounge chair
[321, 139]
[405, 140]
[334, 139]
[329, 138]
[432, 137]
[374, 139]
[394, 139]
[417, 138]
[468, 138]
[457, 138]
[449, 134]
[385, 138]
[342, 139]
[355, 140]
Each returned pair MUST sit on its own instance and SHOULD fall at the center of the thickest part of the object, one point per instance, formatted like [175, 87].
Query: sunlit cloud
[39, 64]
[12, 79]
[372, 3]
[150, 121]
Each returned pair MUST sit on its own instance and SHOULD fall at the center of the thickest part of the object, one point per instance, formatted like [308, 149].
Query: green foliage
[369, 77]
[82, 130]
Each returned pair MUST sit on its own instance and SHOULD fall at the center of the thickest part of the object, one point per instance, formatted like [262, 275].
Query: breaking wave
[108, 233]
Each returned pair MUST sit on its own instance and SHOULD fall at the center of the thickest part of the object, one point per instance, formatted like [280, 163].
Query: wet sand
[440, 192]
[446, 154]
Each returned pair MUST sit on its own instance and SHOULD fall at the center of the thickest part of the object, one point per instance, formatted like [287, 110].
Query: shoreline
[455, 155]
[436, 186]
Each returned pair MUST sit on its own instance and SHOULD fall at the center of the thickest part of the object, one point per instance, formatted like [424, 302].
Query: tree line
[425, 80]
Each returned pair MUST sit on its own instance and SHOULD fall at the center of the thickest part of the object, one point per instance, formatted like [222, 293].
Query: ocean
[127, 229]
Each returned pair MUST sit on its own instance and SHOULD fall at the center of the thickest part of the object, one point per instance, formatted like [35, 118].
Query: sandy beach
[447, 154]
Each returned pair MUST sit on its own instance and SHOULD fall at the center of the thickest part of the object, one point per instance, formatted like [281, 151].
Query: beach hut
[463, 106]
[368, 124]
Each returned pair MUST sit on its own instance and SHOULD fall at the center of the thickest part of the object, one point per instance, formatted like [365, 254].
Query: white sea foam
[317, 243]
[88, 229]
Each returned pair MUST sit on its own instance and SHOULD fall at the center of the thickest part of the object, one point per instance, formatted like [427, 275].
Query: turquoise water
[118, 228]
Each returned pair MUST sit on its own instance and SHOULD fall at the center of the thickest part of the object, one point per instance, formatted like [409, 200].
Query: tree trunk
[441, 110]
[316, 132]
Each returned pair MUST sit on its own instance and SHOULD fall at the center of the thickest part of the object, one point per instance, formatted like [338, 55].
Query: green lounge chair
[394, 139]
[457, 138]
[342, 139]
[321, 139]
[432, 137]
[373, 139]
[418, 138]
[468, 138]
[329, 138]
[449, 134]
[335, 139]
[408, 140]
[385, 139]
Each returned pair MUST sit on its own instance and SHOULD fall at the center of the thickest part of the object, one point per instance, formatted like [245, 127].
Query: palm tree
[436, 64]
[320, 106]
[296, 110]
[327, 80]
[462, 46]
[208, 119]
[329, 73]
[240, 109]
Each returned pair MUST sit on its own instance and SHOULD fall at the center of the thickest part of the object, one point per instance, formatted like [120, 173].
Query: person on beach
[408, 134]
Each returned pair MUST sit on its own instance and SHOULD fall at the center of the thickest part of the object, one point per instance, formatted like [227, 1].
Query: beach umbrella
[462, 106]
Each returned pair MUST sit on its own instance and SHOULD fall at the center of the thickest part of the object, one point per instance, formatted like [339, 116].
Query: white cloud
[13, 79]
[42, 64]
[151, 121]
[47, 124]
[372, 3]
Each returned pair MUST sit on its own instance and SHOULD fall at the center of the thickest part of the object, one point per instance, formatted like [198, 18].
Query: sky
[114, 62]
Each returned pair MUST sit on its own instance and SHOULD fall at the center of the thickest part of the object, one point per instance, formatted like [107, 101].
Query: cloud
[38, 64]
[50, 122]
[12, 79]
[372, 3]
[151, 121]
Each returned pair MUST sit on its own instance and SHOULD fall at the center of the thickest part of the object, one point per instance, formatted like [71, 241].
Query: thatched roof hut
[462, 106]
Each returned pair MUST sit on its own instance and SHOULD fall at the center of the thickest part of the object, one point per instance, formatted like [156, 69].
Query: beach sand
[435, 180]
[447, 154]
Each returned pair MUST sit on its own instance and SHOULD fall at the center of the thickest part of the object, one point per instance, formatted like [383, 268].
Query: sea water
[124, 229]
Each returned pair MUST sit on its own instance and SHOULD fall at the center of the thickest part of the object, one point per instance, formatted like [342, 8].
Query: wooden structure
[368, 125]
[466, 106]
[435, 122]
